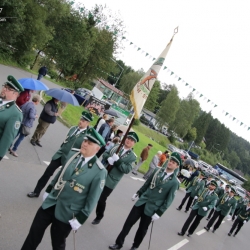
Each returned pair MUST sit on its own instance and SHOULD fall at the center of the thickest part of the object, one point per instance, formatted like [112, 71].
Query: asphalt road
[19, 176]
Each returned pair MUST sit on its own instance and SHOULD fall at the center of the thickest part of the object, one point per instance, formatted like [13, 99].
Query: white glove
[229, 217]
[196, 197]
[244, 221]
[204, 208]
[45, 195]
[110, 161]
[115, 157]
[74, 224]
[135, 197]
[155, 217]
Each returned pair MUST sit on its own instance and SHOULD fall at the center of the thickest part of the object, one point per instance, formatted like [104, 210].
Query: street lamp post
[120, 68]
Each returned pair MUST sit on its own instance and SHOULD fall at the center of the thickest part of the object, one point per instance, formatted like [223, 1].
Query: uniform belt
[244, 218]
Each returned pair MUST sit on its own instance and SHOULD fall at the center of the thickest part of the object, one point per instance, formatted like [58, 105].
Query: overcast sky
[210, 52]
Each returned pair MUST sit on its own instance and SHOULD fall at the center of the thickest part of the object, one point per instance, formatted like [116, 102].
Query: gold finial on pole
[176, 30]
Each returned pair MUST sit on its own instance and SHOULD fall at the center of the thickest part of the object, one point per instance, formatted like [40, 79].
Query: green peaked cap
[87, 116]
[95, 137]
[233, 190]
[176, 157]
[13, 83]
[134, 136]
[214, 183]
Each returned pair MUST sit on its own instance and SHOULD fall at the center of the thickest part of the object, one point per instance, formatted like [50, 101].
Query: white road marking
[201, 232]
[136, 178]
[46, 162]
[179, 245]
[6, 157]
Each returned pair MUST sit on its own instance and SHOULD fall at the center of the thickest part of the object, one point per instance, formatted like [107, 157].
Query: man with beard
[11, 115]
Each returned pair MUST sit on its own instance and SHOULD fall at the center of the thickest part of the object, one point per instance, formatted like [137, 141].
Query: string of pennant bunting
[180, 79]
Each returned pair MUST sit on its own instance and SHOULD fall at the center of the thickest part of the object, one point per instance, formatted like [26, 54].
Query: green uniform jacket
[195, 187]
[244, 214]
[10, 121]
[225, 207]
[208, 201]
[120, 167]
[159, 197]
[219, 191]
[70, 142]
[81, 191]
[241, 202]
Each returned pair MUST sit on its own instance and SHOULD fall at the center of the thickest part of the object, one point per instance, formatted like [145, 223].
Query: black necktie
[79, 165]
[162, 177]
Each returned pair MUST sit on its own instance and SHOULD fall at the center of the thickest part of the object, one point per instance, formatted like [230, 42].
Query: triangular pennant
[234, 118]
[153, 59]
[172, 73]
[146, 54]
[208, 100]
[130, 43]
[168, 70]
[175, 76]
[123, 37]
[215, 106]
[241, 123]
[150, 57]
[193, 89]
[164, 67]
[248, 128]
[230, 116]
[201, 95]
[182, 81]
[179, 79]
[226, 113]
[245, 126]
[186, 84]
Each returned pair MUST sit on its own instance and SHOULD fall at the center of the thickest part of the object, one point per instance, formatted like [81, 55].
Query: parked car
[240, 191]
[172, 148]
[80, 94]
[205, 166]
[232, 181]
[185, 153]
[193, 155]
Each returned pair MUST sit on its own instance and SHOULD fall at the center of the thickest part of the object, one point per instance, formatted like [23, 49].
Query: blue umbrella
[33, 84]
[63, 96]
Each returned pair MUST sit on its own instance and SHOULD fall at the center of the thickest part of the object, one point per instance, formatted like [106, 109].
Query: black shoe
[33, 143]
[206, 228]
[229, 234]
[32, 195]
[213, 230]
[95, 222]
[179, 209]
[180, 233]
[115, 246]
[133, 248]
[134, 173]
[207, 218]
[234, 235]
[188, 235]
[38, 144]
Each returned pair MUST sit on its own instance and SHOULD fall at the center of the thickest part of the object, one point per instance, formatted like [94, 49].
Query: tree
[234, 159]
[151, 101]
[169, 108]
[191, 134]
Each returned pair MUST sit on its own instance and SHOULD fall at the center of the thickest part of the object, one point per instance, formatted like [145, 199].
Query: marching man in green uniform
[71, 196]
[122, 164]
[11, 115]
[243, 217]
[155, 197]
[206, 200]
[226, 203]
[73, 139]
[194, 189]
[240, 203]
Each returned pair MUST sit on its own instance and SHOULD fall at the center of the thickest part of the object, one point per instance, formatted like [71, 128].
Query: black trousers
[212, 220]
[211, 213]
[135, 214]
[188, 195]
[59, 231]
[238, 223]
[192, 216]
[235, 213]
[54, 164]
[101, 205]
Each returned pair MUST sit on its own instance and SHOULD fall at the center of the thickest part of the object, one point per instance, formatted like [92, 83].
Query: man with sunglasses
[11, 115]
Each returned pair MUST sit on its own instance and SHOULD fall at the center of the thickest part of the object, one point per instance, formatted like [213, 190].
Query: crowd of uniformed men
[84, 183]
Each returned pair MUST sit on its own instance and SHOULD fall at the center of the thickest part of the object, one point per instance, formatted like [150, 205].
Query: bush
[53, 74]
[171, 138]
[136, 122]
[162, 143]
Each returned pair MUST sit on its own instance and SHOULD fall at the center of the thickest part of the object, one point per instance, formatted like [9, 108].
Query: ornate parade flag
[142, 89]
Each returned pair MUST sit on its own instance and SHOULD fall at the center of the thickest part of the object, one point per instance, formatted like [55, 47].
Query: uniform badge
[17, 124]
[102, 184]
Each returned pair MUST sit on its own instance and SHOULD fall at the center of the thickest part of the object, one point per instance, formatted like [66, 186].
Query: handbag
[25, 130]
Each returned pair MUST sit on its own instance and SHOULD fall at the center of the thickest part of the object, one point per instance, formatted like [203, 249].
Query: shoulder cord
[152, 184]
[60, 182]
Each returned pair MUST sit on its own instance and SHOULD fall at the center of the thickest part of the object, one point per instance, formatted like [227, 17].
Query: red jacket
[23, 97]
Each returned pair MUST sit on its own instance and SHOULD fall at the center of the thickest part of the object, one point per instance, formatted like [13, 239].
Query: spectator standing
[24, 97]
[112, 132]
[42, 72]
[163, 158]
[29, 116]
[143, 157]
[153, 164]
[100, 122]
[105, 129]
[47, 117]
